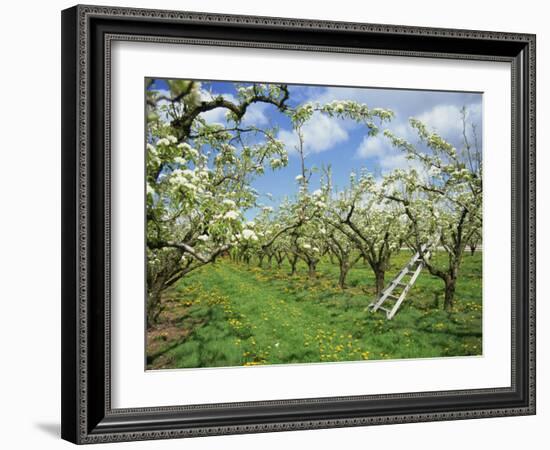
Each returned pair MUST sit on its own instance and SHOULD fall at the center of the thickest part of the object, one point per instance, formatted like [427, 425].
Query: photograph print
[300, 224]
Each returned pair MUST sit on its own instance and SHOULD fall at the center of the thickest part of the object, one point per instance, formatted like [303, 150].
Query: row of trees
[199, 178]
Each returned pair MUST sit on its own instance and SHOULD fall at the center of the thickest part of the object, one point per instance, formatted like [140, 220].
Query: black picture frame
[87, 33]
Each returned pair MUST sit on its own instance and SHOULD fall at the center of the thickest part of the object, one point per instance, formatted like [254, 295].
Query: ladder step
[412, 268]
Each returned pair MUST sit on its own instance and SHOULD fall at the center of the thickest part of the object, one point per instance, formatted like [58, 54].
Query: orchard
[236, 277]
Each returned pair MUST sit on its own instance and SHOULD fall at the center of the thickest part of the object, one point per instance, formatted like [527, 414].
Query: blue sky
[344, 144]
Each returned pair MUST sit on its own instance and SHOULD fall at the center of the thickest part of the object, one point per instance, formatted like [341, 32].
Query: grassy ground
[229, 314]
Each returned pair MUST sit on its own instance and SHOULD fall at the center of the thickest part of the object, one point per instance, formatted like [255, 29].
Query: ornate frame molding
[84, 65]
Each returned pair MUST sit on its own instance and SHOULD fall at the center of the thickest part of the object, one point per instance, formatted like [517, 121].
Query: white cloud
[391, 162]
[216, 115]
[255, 114]
[439, 110]
[207, 96]
[371, 146]
[340, 93]
[444, 119]
[289, 139]
[404, 131]
[320, 133]
[385, 156]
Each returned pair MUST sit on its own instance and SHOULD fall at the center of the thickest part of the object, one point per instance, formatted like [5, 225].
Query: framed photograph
[279, 224]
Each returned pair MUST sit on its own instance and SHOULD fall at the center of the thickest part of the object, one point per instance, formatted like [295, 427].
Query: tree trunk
[260, 260]
[344, 268]
[472, 249]
[154, 306]
[269, 260]
[311, 266]
[450, 286]
[293, 262]
[380, 276]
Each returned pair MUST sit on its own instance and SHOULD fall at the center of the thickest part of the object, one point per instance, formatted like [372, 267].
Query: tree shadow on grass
[428, 328]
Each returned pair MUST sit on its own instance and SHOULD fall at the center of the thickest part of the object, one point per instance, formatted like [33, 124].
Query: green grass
[229, 314]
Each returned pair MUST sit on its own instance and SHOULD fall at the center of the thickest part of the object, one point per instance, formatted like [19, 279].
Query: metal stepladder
[411, 270]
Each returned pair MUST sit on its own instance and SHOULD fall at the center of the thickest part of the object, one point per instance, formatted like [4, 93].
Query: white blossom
[188, 173]
[249, 235]
[232, 215]
[275, 163]
[434, 171]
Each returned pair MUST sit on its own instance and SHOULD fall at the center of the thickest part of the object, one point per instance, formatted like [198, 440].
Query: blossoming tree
[309, 237]
[443, 198]
[370, 223]
[199, 177]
